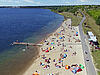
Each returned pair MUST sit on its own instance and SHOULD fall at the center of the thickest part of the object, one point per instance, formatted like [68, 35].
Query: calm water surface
[29, 25]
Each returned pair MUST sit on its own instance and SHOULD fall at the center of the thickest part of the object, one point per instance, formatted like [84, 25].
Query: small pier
[27, 44]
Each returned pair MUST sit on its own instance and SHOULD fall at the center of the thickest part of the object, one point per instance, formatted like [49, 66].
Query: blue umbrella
[65, 55]
[60, 37]
[52, 43]
[59, 32]
[74, 71]
[76, 32]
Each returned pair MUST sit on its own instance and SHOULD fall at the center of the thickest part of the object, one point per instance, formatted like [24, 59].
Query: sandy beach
[62, 48]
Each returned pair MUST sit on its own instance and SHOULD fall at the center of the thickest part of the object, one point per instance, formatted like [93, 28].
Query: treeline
[95, 13]
[60, 8]
[72, 9]
[98, 20]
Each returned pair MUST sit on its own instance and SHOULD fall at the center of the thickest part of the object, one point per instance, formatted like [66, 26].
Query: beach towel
[79, 70]
[74, 71]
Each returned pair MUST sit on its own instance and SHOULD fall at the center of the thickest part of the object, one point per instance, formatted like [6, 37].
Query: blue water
[23, 24]
[18, 24]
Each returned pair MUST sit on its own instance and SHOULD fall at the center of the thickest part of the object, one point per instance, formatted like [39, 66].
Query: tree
[98, 21]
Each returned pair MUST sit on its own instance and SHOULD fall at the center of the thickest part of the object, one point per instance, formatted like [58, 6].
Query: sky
[47, 2]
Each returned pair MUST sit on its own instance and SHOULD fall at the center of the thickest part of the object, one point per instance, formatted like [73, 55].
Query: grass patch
[75, 19]
[96, 56]
[94, 13]
[98, 73]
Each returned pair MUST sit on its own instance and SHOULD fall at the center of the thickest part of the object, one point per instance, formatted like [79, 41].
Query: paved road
[87, 56]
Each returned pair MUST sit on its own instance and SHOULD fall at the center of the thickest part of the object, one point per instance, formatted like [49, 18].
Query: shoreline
[41, 41]
[38, 48]
[30, 62]
[18, 58]
[49, 35]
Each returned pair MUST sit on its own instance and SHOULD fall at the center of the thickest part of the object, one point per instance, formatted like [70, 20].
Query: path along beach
[62, 49]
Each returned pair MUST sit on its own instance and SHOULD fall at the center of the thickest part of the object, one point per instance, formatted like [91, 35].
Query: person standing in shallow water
[27, 46]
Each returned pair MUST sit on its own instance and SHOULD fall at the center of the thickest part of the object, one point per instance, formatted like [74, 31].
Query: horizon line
[48, 5]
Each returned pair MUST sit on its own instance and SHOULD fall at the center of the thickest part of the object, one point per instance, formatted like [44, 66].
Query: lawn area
[94, 13]
[96, 56]
[75, 19]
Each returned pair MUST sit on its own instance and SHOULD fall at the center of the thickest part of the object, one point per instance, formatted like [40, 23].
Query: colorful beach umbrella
[59, 32]
[79, 70]
[76, 32]
[52, 47]
[49, 48]
[74, 71]
[52, 43]
[81, 66]
[60, 37]
[66, 67]
[65, 55]
[47, 51]
[35, 73]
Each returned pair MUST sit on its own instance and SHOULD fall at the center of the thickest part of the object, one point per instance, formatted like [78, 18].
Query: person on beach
[61, 56]
[69, 40]
[55, 64]
[43, 56]
[45, 67]
[58, 66]
[62, 48]
[62, 44]
[49, 58]
[48, 61]
[56, 40]
[74, 53]
[70, 46]
[62, 64]
[41, 48]
[54, 60]
[59, 60]
[40, 63]
[66, 50]
[48, 66]
[47, 43]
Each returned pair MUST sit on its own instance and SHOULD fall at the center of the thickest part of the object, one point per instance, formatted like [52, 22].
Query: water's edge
[19, 60]
[38, 50]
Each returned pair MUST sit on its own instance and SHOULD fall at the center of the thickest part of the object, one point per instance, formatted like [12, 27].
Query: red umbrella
[79, 70]
[47, 51]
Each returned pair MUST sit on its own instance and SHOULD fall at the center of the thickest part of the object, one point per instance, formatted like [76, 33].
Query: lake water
[23, 24]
